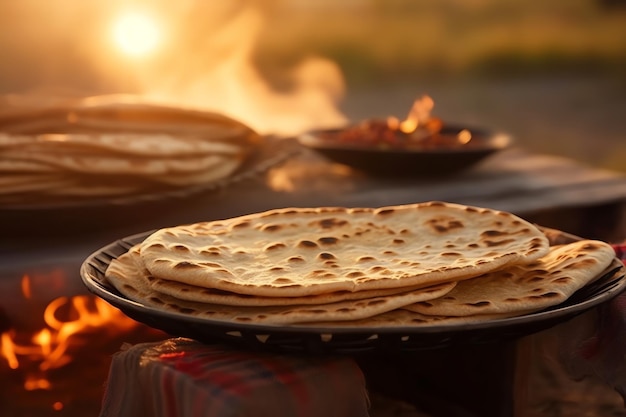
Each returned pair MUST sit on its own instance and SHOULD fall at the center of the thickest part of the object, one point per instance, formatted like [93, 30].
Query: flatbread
[128, 278]
[213, 296]
[30, 183]
[306, 251]
[96, 143]
[154, 144]
[407, 318]
[527, 287]
[223, 168]
[94, 163]
[10, 166]
[122, 113]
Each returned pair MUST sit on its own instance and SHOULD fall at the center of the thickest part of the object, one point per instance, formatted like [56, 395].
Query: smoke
[205, 60]
[218, 73]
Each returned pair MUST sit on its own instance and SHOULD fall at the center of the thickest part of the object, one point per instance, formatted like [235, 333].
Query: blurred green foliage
[401, 39]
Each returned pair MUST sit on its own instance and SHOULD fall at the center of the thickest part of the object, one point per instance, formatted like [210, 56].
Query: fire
[49, 348]
[418, 116]
[419, 119]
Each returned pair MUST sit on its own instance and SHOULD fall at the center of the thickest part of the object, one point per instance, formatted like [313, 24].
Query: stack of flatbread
[422, 264]
[111, 147]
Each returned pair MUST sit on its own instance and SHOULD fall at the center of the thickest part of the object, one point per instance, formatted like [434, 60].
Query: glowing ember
[48, 348]
[26, 287]
[33, 383]
[464, 136]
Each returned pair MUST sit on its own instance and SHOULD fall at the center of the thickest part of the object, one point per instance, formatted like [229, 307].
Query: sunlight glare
[136, 34]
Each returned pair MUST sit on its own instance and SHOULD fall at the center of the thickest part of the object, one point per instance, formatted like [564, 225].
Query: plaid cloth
[184, 378]
[594, 345]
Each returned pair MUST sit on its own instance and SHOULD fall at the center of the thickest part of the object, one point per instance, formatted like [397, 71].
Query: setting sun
[136, 34]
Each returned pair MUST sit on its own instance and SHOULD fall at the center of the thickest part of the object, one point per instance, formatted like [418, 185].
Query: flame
[418, 115]
[48, 348]
[8, 350]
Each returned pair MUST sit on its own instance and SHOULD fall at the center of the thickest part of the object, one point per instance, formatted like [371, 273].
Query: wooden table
[552, 191]
[565, 194]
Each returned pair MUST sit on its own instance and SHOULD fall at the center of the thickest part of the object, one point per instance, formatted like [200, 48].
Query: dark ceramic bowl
[413, 161]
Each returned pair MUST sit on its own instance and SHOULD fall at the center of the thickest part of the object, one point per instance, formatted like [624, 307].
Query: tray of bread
[120, 150]
[334, 279]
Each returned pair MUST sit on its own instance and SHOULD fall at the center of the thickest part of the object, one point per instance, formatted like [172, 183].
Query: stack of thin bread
[112, 147]
[419, 264]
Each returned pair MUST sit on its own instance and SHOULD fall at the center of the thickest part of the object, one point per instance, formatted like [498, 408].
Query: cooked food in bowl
[435, 155]
[377, 135]
[420, 145]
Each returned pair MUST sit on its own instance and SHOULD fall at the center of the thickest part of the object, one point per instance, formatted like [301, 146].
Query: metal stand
[474, 380]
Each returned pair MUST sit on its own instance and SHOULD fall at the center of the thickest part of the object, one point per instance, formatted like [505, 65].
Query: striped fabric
[184, 378]
[594, 344]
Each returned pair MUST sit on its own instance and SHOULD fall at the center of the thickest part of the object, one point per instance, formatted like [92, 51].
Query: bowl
[423, 161]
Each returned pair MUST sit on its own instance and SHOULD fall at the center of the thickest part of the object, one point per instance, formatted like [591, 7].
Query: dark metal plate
[414, 162]
[344, 338]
